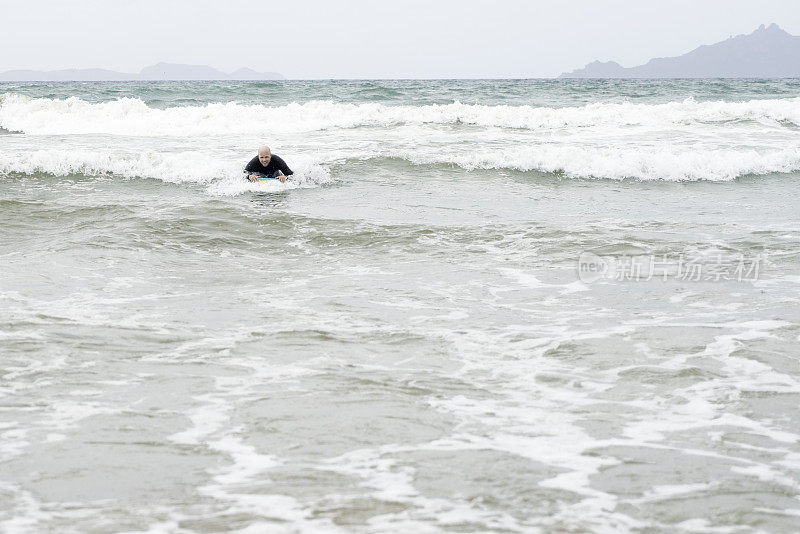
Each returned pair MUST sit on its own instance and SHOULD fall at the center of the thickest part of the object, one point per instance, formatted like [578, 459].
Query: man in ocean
[268, 165]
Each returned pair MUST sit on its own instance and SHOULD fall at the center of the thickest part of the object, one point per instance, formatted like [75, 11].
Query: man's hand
[282, 178]
[252, 177]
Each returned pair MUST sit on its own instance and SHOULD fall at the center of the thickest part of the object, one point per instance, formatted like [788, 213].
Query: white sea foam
[645, 163]
[687, 140]
[167, 167]
[221, 174]
[131, 116]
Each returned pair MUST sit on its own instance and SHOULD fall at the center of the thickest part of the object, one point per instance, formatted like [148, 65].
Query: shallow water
[403, 337]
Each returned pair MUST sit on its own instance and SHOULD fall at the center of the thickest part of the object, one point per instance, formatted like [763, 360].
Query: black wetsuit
[275, 166]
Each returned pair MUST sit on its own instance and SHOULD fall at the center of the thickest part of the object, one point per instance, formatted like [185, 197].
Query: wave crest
[572, 162]
[131, 116]
[220, 176]
[620, 164]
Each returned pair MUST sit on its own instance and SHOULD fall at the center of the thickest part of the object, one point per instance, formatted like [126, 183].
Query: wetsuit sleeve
[251, 166]
[284, 168]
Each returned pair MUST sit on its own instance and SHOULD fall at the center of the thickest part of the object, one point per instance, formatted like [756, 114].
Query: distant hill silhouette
[159, 71]
[768, 52]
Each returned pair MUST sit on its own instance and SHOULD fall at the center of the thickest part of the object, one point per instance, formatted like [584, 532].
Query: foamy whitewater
[477, 306]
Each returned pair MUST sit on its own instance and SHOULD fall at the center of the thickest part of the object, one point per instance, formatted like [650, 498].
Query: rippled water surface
[408, 335]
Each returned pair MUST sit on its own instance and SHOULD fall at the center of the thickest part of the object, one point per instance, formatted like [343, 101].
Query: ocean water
[477, 306]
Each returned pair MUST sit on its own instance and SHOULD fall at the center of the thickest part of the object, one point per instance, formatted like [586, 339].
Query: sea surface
[477, 306]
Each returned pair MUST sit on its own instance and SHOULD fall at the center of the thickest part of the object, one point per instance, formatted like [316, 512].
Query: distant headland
[768, 52]
[159, 71]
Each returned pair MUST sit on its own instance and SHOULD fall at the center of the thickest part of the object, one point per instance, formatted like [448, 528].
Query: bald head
[264, 155]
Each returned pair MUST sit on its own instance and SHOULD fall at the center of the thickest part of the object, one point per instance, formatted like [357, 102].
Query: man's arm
[282, 166]
[251, 168]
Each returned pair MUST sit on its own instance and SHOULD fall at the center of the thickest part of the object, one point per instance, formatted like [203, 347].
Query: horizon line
[514, 78]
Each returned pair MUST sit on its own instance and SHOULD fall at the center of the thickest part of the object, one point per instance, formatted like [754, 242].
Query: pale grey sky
[372, 39]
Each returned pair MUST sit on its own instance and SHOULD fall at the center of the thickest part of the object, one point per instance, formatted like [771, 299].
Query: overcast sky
[372, 39]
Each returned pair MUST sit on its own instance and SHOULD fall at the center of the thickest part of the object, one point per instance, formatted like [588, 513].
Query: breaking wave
[641, 164]
[131, 116]
[220, 176]
[675, 141]
[571, 162]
